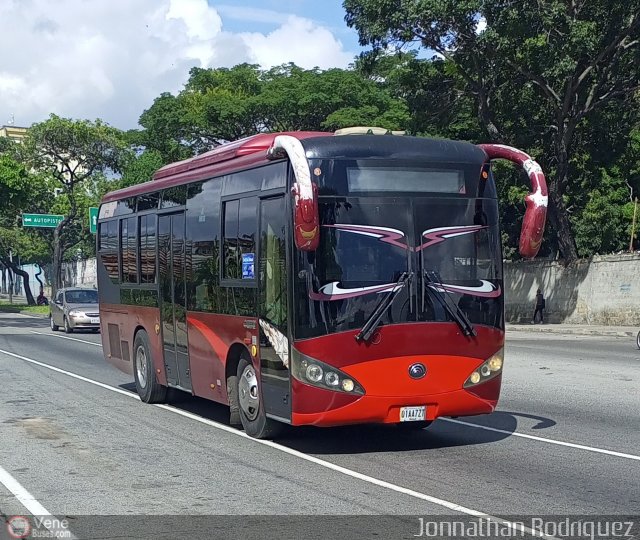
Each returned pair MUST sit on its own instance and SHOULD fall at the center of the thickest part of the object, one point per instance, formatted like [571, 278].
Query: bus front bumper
[335, 409]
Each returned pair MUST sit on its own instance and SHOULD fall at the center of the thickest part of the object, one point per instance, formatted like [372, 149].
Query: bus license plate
[412, 414]
[95, 321]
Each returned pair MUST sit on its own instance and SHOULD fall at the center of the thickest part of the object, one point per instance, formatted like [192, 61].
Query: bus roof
[254, 147]
[252, 151]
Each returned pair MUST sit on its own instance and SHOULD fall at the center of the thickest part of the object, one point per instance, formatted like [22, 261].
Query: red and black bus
[315, 278]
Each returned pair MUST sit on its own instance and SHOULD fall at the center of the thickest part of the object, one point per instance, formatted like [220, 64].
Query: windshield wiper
[435, 286]
[374, 319]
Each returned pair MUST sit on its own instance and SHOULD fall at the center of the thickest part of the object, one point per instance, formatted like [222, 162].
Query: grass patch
[6, 307]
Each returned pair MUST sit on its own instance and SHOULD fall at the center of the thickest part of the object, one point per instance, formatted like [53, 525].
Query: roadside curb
[560, 329]
[35, 315]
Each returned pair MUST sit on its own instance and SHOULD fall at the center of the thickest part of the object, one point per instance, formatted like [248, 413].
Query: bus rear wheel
[148, 388]
[252, 414]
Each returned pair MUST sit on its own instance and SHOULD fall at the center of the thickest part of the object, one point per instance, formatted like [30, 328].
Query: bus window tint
[148, 249]
[247, 224]
[243, 182]
[108, 232]
[203, 232]
[240, 221]
[274, 176]
[230, 252]
[273, 270]
[149, 201]
[128, 271]
[175, 196]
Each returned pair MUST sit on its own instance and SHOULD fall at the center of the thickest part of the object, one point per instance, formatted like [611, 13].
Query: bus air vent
[114, 340]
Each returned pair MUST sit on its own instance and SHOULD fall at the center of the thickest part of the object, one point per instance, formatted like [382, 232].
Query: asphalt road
[565, 440]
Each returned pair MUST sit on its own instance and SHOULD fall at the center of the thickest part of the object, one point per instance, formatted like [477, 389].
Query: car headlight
[75, 313]
[489, 369]
[311, 371]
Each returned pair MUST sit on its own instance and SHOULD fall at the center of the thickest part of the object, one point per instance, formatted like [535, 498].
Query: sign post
[93, 220]
[41, 220]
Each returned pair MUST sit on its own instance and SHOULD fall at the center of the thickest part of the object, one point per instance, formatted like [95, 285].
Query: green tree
[20, 191]
[73, 153]
[219, 105]
[138, 168]
[536, 73]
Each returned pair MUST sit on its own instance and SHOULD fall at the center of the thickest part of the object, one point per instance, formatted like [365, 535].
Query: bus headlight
[489, 369]
[311, 371]
[314, 373]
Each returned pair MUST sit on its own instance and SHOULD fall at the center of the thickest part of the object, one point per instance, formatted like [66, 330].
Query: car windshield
[81, 297]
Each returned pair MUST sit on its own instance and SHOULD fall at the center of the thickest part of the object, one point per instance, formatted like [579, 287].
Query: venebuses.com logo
[38, 527]
[18, 527]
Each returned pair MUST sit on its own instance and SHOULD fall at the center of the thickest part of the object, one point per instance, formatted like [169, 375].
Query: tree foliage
[219, 105]
[75, 155]
[538, 75]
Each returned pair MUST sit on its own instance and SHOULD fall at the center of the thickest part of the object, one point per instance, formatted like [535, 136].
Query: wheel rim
[66, 324]
[51, 321]
[141, 366]
[248, 394]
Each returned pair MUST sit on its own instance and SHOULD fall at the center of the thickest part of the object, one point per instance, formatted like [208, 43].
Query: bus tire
[234, 406]
[251, 407]
[148, 388]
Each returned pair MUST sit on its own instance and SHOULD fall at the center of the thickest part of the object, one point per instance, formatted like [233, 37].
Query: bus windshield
[368, 243]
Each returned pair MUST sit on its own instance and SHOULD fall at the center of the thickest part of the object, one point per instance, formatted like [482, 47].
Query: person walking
[540, 304]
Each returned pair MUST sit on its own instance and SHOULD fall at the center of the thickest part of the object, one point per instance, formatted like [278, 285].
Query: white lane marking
[64, 372]
[31, 504]
[326, 464]
[67, 337]
[542, 439]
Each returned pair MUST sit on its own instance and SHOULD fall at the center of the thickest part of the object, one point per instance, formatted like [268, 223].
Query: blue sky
[264, 16]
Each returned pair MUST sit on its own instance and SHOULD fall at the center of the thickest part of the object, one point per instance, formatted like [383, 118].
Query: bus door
[171, 255]
[273, 309]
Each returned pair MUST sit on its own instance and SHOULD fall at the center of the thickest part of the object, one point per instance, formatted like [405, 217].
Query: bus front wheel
[148, 388]
[252, 414]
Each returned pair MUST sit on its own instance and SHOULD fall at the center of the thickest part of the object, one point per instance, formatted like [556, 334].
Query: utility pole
[10, 278]
[633, 224]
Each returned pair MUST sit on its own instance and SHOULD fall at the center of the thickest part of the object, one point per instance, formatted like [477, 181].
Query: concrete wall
[601, 290]
[76, 273]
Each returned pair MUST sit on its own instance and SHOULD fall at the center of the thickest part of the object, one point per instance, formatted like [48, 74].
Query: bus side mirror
[536, 201]
[306, 222]
[306, 219]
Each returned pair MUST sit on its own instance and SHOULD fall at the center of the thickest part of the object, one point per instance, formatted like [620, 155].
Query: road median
[575, 329]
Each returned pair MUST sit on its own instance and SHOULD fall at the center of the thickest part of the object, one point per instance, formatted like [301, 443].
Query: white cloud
[110, 58]
[300, 41]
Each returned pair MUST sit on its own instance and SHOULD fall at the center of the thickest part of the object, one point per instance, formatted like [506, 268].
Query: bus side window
[272, 267]
[240, 223]
[108, 248]
[128, 258]
[148, 248]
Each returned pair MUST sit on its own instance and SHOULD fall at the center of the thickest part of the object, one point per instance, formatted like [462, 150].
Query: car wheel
[54, 327]
[67, 328]
[251, 407]
[148, 388]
